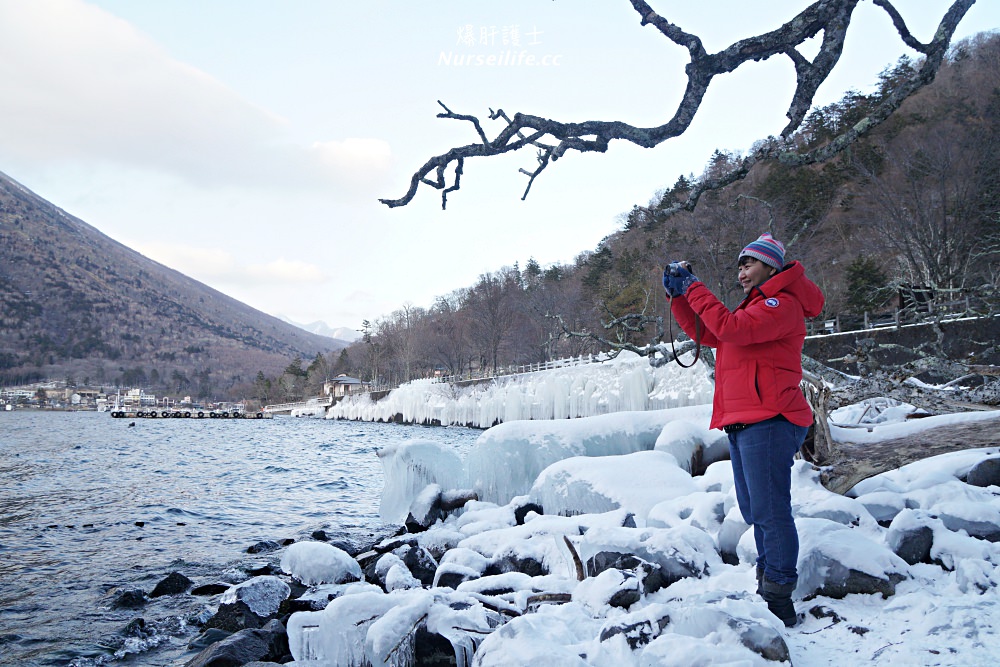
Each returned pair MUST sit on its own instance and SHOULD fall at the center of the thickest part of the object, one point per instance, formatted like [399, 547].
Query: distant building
[135, 398]
[84, 397]
[342, 385]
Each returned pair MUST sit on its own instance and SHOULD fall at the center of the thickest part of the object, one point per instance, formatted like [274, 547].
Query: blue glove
[677, 279]
[667, 281]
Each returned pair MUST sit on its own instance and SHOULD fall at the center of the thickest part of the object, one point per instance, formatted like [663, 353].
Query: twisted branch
[831, 17]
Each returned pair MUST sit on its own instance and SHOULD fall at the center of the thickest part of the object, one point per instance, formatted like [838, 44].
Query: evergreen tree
[866, 285]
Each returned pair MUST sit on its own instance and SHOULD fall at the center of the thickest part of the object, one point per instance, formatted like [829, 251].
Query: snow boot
[760, 577]
[779, 600]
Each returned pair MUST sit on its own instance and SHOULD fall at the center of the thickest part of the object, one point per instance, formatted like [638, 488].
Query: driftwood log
[843, 463]
[851, 463]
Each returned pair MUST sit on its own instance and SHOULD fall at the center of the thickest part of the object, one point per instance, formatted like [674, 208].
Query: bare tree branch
[635, 322]
[831, 17]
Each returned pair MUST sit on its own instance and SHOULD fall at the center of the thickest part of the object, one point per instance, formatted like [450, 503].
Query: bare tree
[448, 343]
[921, 199]
[490, 304]
[551, 139]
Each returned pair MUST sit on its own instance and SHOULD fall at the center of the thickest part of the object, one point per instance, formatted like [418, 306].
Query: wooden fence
[914, 312]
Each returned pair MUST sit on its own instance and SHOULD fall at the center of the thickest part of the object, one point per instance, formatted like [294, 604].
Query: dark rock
[173, 584]
[649, 574]
[250, 604]
[263, 569]
[836, 515]
[293, 605]
[842, 581]
[394, 543]
[911, 544]
[269, 643]
[652, 578]
[369, 570]
[882, 510]
[208, 637]
[637, 634]
[345, 541]
[130, 599]
[522, 511]
[821, 611]
[512, 562]
[427, 514]
[415, 525]
[501, 587]
[135, 628]
[762, 640]
[431, 649]
[457, 499]
[420, 563]
[607, 560]
[985, 473]
[448, 578]
[263, 547]
[210, 589]
[297, 588]
[624, 597]
[983, 530]
[367, 562]
[233, 618]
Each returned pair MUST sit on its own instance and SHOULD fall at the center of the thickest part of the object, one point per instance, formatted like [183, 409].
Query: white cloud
[363, 162]
[286, 272]
[81, 85]
[219, 267]
[205, 263]
[79, 82]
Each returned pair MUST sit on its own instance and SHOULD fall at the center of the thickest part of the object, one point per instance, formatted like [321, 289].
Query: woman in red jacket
[758, 402]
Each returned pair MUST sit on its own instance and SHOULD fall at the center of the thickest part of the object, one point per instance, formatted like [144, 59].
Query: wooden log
[851, 463]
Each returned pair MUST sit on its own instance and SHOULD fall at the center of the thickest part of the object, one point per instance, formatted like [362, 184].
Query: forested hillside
[916, 203]
[76, 305]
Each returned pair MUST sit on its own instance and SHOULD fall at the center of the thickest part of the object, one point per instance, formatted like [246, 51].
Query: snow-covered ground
[558, 496]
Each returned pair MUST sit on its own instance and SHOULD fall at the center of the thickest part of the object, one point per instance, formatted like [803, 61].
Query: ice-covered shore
[591, 544]
[587, 540]
[626, 383]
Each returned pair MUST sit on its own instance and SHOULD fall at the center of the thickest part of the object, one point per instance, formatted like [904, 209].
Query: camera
[673, 267]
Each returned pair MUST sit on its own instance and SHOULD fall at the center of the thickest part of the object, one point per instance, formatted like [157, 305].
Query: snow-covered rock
[319, 563]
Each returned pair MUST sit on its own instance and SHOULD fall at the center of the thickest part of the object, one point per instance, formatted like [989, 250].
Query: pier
[189, 414]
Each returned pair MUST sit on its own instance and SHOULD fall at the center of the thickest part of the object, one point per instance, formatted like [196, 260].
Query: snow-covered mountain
[346, 334]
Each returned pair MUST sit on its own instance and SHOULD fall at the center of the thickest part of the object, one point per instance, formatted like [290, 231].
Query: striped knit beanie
[767, 249]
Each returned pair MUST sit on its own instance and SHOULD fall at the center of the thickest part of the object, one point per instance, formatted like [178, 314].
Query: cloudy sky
[245, 143]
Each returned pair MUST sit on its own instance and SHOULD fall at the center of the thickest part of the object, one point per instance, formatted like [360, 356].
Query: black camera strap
[698, 328]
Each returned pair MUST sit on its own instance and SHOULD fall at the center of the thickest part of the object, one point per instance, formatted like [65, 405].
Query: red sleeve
[686, 317]
[762, 320]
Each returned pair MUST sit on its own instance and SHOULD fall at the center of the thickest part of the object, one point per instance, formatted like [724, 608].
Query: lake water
[90, 506]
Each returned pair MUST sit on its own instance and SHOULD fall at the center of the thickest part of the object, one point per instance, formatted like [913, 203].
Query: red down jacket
[758, 359]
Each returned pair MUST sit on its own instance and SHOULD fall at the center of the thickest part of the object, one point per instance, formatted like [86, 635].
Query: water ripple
[89, 507]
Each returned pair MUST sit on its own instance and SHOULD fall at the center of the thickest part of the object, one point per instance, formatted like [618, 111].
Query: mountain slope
[74, 302]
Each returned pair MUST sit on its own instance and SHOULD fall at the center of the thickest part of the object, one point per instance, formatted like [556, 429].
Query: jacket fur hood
[792, 280]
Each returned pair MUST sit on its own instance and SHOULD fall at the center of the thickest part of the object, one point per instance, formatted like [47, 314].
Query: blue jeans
[762, 455]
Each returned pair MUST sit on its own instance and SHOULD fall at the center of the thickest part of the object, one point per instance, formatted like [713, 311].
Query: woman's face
[753, 272]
